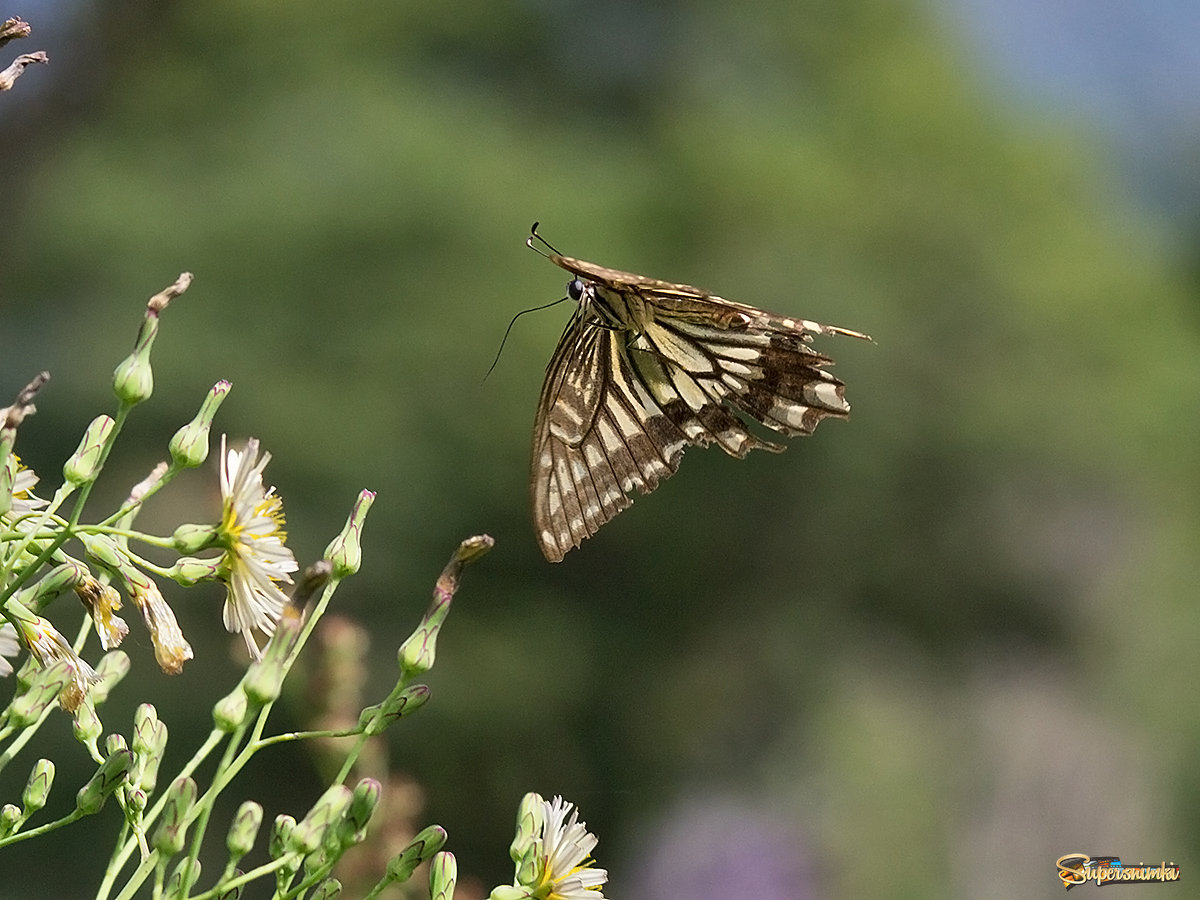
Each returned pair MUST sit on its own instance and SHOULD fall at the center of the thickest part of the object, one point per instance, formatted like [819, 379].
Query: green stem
[42, 829]
[24, 738]
[224, 887]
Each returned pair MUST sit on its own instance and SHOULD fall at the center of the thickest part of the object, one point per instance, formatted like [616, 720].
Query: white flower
[567, 848]
[557, 863]
[255, 557]
[23, 502]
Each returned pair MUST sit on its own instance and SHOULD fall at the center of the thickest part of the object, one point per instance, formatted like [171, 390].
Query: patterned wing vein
[618, 408]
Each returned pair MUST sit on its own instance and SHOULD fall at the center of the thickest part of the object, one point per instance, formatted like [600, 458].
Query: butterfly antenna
[541, 240]
[514, 322]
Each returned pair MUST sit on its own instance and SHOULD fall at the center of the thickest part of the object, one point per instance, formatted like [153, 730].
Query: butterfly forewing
[646, 368]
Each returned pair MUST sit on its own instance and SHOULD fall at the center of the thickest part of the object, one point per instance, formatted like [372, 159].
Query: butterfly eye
[575, 289]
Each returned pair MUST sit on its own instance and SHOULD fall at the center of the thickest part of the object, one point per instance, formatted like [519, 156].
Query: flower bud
[111, 669]
[135, 803]
[189, 446]
[351, 828]
[10, 819]
[67, 575]
[416, 654]
[113, 743]
[145, 726]
[83, 465]
[194, 538]
[230, 711]
[329, 889]
[149, 743]
[281, 832]
[264, 679]
[367, 794]
[171, 831]
[107, 779]
[345, 550]
[427, 842]
[243, 830]
[86, 726]
[374, 719]
[45, 686]
[509, 892]
[133, 380]
[37, 789]
[186, 874]
[189, 571]
[443, 874]
[310, 831]
[531, 815]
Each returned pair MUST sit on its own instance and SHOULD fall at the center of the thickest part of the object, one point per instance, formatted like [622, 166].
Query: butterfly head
[575, 289]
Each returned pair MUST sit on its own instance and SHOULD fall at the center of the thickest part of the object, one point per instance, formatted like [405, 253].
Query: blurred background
[924, 653]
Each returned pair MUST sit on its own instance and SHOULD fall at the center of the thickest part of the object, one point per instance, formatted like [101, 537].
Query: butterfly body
[646, 368]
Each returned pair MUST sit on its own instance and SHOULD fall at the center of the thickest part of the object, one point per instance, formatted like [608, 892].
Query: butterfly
[646, 368]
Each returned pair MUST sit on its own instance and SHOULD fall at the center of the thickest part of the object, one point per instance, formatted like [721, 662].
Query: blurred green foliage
[955, 634]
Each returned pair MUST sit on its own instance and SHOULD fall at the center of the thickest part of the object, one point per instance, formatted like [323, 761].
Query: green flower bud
[171, 831]
[194, 538]
[509, 892]
[135, 804]
[83, 465]
[113, 667]
[145, 726]
[351, 828]
[37, 789]
[149, 743]
[427, 842]
[87, 726]
[310, 831]
[107, 779]
[186, 874]
[345, 550]
[329, 889]
[133, 381]
[104, 550]
[115, 742]
[281, 832]
[374, 719]
[189, 446]
[243, 830]
[367, 794]
[10, 819]
[264, 680]
[416, 654]
[189, 571]
[530, 820]
[443, 874]
[529, 866]
[45, 686]
[230, 711]
[67, 575]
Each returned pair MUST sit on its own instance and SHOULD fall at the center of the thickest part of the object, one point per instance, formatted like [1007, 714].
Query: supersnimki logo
[1075, 869]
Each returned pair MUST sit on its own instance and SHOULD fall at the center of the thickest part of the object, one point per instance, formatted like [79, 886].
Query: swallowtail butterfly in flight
[646, 368]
